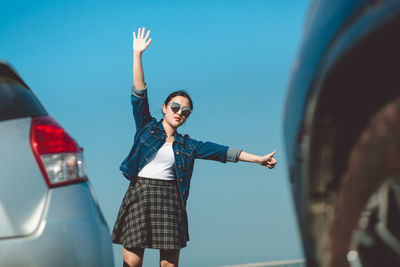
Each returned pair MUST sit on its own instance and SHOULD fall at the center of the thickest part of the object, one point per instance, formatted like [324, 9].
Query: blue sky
[234, 58]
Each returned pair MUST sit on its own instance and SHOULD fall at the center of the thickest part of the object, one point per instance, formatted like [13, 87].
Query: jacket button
[181, 180]
[184, 193]
[179, 166]
[177, 152]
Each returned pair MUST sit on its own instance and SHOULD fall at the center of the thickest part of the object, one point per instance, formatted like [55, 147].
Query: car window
[17, 101]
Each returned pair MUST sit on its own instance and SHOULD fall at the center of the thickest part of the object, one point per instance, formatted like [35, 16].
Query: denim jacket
[150, 136]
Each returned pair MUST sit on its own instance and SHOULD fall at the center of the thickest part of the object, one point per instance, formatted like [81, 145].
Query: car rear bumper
[72, 233]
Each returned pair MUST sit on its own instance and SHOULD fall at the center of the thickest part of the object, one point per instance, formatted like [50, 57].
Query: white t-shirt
[161, 165]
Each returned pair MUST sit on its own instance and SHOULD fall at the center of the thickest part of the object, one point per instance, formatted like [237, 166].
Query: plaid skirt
[151, 216]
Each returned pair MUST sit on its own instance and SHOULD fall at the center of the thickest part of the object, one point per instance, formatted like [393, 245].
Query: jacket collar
[177, 136]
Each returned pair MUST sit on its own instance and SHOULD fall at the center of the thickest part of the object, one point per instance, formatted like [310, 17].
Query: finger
[138, 33]
[272, 153]
[271, 166]
[268, 165]
[147, 35]
[134, 36]
[148, 42]
[143, 31]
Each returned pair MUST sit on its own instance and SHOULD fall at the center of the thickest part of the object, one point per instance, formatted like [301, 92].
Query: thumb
[272, 153]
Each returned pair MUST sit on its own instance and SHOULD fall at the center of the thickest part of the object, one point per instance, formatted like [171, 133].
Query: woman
[159, 166]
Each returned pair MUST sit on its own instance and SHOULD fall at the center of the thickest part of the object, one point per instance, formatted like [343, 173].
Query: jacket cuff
[139, 93]
[232, 154]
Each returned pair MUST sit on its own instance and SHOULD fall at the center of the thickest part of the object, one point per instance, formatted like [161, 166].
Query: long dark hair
[179, 93]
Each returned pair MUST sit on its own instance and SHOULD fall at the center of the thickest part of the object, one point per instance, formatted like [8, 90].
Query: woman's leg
[169, 258]
[133, 257]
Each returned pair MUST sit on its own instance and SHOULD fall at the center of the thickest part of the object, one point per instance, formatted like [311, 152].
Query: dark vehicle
[49, 215]
[342, 133]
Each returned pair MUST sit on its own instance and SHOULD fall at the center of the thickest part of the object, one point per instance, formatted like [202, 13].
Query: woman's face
[175, 119]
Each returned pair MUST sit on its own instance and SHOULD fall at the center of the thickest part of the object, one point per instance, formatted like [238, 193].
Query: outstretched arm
[140, 44]
[213, 151]
[267, 160]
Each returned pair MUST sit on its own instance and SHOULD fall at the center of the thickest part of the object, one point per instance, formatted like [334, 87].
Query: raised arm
[139, 99]
[267, 160]
[140, 44]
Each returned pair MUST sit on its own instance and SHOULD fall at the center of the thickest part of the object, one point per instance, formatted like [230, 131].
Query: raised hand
[141, 42]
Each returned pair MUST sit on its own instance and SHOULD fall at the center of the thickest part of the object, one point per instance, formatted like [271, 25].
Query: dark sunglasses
[175, 107]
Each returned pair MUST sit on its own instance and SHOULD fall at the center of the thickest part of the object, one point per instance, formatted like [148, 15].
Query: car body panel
[22, 187]
[72, 232]
[324, 20]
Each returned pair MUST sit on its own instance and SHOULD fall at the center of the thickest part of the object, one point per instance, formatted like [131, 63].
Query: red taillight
[58, 155]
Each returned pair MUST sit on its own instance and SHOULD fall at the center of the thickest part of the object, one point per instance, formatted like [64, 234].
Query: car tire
[372, 160]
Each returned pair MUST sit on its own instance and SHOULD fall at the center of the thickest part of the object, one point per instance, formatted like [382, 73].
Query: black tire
[372, 160]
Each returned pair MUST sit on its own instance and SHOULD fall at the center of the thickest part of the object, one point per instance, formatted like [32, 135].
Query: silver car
[49, 215]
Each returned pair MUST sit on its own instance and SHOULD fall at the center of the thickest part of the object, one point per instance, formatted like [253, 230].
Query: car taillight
[59, 157]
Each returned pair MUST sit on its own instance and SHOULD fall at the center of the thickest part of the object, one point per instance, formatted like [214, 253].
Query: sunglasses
[175, 107]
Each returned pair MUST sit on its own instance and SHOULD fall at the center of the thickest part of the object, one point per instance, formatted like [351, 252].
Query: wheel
[376, 242]
[373, 160]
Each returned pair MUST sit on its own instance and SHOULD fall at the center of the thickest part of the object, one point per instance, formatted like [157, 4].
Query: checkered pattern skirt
[151, 216]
